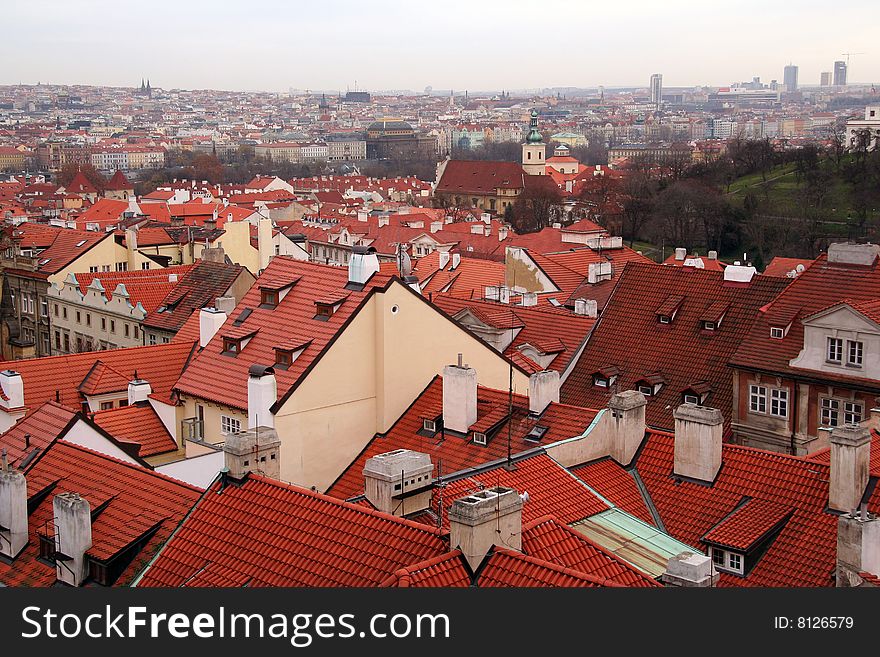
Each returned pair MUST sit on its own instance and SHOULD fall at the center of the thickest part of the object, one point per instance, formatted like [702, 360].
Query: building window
[113, 326]
[121, 266]
[600, 381]
[88, 319]
[58, 340]
[664, 319]
[777, 333]
[229, 425]
[324, 310]
[646, 390]
[718, 557]
[269, 298]
[835, 350]
[64, 313]
[708, 326]
[126, 331]
[830, 412]
[145, 265]
[758, 399]
[283, 358]
[231, 346]
[103, 323]
[44, 312]
[779, 402]
[429, 425]
[691, 399]
[67, 342]
[734, 561]
[106, 406]
[137, 332]
[78, 317]
[479, 438]
[152, 339]
[854, 350]
[93, 269]
[852, 412]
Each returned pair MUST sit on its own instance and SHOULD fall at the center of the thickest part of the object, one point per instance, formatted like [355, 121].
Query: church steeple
[534, 149]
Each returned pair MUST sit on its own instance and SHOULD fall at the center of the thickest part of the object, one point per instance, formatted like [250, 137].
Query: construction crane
[848, 56]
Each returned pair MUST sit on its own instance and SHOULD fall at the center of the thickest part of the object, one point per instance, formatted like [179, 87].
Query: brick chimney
[858, 548]
[255, 450]
[13, 510]
[479, 521]
[262, 394]
[850, 466]
[698, 431]
[73, 537]
[138, 391]
[399, 482]
[543, 389]
[690, 570]
[459, 397]
[210, 321]
[626, 425]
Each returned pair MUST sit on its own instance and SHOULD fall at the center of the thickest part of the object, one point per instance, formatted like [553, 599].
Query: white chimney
[680, 253]
[399, 482]
[262, 394]
[853, 254]
[543, 389]
[444, 259]
[172, 278]
[713, 255]
[210, 321]
[255, 450]
[697, 452]
[485, 519]
[459, 397]
[13, 510]
[738, 273]
[486, 218]
[502, 234]
[690, 570]
[858, 548]
[225, 304]
[13, 388]
[586, 307]
[265, 245]
[626, 425]
[362, 265]
[456, 260]
[73, 537]
[138, 391]
[850, 466]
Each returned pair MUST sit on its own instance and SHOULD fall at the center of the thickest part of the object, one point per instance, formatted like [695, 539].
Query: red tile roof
[506, 568]
[781, 267]
[44, 378]
[480, 177]
[147, 286]
[447, 570]
[223, 379]
[42, 425]
[137, 424]
[547, 538]
[549, 329]
[103, 378]
[629, 336]
[138, 501]
[80, 185]
[455, 453]
[748, 524]
[66, 246]
[616, 485]
[118, 182]
[265, 533]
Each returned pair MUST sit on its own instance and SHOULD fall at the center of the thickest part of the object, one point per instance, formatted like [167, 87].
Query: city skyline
[192, 46]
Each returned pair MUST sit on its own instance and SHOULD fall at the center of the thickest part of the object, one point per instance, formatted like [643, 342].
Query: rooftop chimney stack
[255, 450]
[262, 394]
[210, 321]
[265, 245]
[586, 307]
[13, 511]
[444, 258]
[858, 548]
[459, 397]
[73, 537]
[225, 304]
[456, 260]
[138, 391]
[680, 254]
[853, 254]
[399, 482]
[480, 521]
[543, 389]
[690, 570]
[627, 425]
[13, 389]
[698, 431]
[362, 265]
[850, 465]
[713, 255]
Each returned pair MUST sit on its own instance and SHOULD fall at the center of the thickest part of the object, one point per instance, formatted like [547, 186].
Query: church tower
[534, 150]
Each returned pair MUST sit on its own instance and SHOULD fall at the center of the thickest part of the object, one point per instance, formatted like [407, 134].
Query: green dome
[534, 136]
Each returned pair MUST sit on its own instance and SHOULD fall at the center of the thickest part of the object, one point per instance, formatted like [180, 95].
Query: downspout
[794, 416]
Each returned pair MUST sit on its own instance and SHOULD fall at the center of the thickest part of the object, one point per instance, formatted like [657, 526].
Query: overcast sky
[462, 44]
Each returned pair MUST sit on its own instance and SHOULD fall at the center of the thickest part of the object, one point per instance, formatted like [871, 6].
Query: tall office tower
[656, 90]
[825, 79]
[839, 74]
[789, 78]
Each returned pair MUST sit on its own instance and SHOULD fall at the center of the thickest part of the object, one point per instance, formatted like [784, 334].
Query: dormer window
[429, 425]
[283, 358]
[268, 298]
[834, 353]
[326, 307]
[777, 332]
[236, 340]
[709, 326]
[668, 309]
[712, 317]
[323, 311]
[727, 560]
[691, 399]
[664, 319]
[606, 376]
[645, 389]
[651, 384]
[600, 381]
[231, 346]
[479, 438]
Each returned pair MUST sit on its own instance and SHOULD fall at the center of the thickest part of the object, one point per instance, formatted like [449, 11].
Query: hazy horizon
[491, 45]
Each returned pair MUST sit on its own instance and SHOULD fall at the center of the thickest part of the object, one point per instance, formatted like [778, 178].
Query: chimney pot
[210, 321]
[627, 425]
[543, 389]
[680, 253]
[13, 511]
[255, 450]
[362, 265]
[138, 391]
[399, 482]
[690, 570]
[262, 394]
[13, 387]
[73, 537]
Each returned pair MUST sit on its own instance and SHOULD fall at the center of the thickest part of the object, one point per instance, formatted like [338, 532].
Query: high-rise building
[789, 78]
[656, 90]
[825, 79]
[839, 74]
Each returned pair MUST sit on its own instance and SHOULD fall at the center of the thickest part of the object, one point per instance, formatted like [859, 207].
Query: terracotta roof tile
[137, 424]
[42, 425]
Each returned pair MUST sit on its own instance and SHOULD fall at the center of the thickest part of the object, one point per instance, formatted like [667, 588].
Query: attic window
[323, 311]
[479, 438]
[283, 358]
[645, 389]
[429, 425]
[80, 243]
[268, 298]
[232, 346]
[600, 381]
[667, 311]
[777, 332]
[709, 326]
[690, 398]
